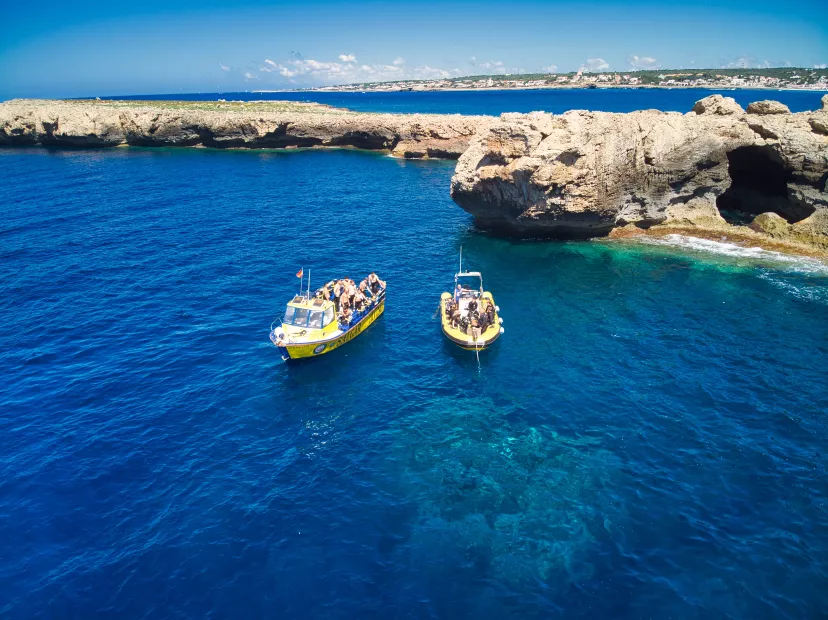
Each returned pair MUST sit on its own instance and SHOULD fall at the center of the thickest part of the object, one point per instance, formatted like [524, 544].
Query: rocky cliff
[583, 174]
[276, 124]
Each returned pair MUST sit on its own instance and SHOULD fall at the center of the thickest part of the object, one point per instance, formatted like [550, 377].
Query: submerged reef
[518, 503]
[761, 172]
[235, 124]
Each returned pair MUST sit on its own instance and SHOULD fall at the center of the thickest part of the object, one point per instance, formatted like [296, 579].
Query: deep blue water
[495, 102]
[647, 440]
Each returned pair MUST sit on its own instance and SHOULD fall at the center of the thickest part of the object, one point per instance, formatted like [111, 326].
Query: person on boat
[455, 318]
[350, 291]
[359, 300]
[363, 288]
[472, 306]
[483, 322]
[346, 313]
[375, 283]
[474, 329]
[490, 312]
[337, 293]
[458, 292]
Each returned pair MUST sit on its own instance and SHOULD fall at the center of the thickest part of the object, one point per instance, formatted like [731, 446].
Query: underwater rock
[521, 503]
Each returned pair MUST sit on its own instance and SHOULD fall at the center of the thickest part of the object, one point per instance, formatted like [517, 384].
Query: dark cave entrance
[759, 183]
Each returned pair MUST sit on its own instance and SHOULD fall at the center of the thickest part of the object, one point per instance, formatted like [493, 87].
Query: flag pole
[301, 276]
[309, 283]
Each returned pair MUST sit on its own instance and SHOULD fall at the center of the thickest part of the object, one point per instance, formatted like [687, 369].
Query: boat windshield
[468, 285]
[296, 316]
[315, 321]
[304, 317]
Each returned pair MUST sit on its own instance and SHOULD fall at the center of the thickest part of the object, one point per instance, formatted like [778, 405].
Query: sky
[86, 48]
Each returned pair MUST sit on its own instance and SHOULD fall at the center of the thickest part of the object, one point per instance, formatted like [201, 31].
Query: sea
[496, 102]
[646, 440]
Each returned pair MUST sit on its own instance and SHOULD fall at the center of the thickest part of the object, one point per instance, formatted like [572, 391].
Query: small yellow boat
[312, 327]
[469, 317]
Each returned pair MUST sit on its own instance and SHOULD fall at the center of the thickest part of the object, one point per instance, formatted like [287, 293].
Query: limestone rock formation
[272, 124]
[768, 107]
[583, 174]
[716, 104]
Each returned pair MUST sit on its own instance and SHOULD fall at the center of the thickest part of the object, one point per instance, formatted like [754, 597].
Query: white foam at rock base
[757, 255]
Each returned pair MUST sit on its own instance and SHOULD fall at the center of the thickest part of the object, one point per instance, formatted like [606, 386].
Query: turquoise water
[495, 102]
[647, 439]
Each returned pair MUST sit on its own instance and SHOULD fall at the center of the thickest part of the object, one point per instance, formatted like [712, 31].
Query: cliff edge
[585, 174]
[255, 124]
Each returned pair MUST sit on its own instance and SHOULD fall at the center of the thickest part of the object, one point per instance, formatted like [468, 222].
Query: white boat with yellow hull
[469, 318]
[311, 327]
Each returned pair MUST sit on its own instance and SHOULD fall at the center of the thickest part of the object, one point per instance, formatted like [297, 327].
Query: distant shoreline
[525, 88]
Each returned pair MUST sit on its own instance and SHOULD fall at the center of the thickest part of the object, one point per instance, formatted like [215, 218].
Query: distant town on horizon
[772, 77]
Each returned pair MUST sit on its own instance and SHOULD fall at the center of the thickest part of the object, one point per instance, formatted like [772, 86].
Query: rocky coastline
[240, 125]
[758, 174]
[755, 175]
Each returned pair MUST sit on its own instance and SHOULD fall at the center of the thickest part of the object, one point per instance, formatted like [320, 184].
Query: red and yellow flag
[299, 273]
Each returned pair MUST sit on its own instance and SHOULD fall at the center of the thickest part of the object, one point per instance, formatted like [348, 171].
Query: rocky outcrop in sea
[760, 171]
[254, 125]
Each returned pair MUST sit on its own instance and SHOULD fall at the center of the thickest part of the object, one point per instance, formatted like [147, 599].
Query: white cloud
[269, 66]
[742, 62]
[224, 67]
[821, 66]
[639, 63]
[596, 64]
[250, 76]
[347, 58]
[309, 71]
[550, 69]
[496, 66]
[424, 72]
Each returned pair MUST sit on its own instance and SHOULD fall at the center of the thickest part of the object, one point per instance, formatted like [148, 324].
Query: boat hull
[321, 347]
[466, 341]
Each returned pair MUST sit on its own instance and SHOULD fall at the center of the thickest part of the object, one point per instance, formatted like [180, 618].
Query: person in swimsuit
[359, 300]
[375, 283]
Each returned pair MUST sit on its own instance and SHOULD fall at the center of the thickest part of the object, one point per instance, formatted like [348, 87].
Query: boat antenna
[301, 279]
[461, 259]
[309, 283]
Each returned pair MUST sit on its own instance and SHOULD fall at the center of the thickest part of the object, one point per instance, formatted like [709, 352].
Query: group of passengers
[477, 318]
[349, 299]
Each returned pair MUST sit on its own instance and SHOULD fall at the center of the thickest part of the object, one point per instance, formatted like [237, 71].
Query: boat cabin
[309, 314]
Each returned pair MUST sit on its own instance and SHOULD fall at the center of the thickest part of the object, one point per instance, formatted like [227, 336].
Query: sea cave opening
[759, 184]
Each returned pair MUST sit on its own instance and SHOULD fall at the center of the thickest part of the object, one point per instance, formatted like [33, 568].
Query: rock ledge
[584, 174]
